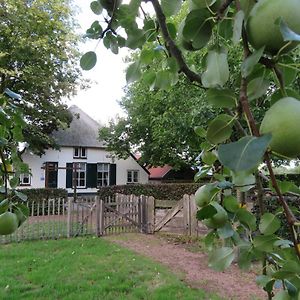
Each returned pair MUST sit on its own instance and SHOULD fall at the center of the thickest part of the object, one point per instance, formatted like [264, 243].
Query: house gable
[89, 167]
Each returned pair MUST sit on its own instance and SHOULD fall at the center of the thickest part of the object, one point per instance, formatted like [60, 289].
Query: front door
[51, 174]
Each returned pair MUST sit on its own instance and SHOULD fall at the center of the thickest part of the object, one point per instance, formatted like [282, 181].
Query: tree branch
[222, 8]
[3, 160]
[246, 109]
[171, 46]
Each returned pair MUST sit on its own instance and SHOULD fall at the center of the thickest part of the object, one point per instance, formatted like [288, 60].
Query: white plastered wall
[65, 155]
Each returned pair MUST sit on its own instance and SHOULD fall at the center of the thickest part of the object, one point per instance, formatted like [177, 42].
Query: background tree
[264, 32]
[38, 58]
[159, 124]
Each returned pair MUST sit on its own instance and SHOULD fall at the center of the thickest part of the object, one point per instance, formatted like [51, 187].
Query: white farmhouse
[82, 161]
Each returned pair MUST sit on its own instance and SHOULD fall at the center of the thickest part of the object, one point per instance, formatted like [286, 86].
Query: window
[79, 152]
[80, 175]
[25, 179]
[102, 174]
[132, 176]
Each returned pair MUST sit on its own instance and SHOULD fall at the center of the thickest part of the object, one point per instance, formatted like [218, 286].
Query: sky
[108, 76]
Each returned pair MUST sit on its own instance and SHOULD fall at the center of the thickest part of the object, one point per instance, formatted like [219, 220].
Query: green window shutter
[69, 175]
[112, 174]
[91, 175]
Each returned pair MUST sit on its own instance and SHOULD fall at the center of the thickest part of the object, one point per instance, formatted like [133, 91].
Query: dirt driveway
[230, 284]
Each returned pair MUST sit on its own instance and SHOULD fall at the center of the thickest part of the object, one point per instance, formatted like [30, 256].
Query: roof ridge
[82, 132]
[79, 110]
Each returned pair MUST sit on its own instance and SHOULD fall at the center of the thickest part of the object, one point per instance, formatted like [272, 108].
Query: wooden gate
[119, 214]
[125, 213]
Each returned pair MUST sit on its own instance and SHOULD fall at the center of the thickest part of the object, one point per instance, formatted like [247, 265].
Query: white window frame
[22, 177]
[104, 169]
[132, 173]
[82, 170]
[80, 151]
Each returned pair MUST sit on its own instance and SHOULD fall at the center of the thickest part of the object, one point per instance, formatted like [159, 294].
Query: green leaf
[250, 62]
[135, 38]
[278, 95]
[208, 157]
[14, 182]
[224, 185]
[245, 256]
[284, 244]
[217, 70]
[209, 239]
[197, 29]
[4, 206]
[243, 180]
[172, 30]
[203, 3]
[163, 80]
[94, 31]
[292, 290]
[202, 173]
[244, 154]
[237, 27]
[288, 71]
[231, 204]
[221, 259]
[223, 98]
[269, 224]
[146, 56]
[150, 30]
[285, 186]
[263, 280]
[287, 33]
[226, 231]
[200, 131]
[282, 295]
[172, 65]
[21, 196]
[88, 60]
[149, 78]
[171, 7]
[225, 29]
[205, 145]
[24, 209]
[219, 129]
[257, 88]
[246, 218]
[133, 72]
[96, 7]
[264, 243]
[206, 212]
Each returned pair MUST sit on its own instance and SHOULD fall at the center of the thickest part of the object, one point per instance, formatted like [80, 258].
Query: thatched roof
[83, 131]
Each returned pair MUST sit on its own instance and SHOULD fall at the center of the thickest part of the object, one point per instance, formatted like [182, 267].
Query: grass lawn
[86, 268]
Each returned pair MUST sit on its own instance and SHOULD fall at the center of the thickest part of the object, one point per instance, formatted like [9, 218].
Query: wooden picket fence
[64, 217]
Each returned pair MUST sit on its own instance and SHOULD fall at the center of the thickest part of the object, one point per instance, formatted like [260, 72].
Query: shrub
[273, 206]
[167, 191]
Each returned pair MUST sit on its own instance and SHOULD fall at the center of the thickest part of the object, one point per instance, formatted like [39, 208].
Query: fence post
[150, 212]
[193, 219]
[186, 214]
[99, 216]
[69, 220]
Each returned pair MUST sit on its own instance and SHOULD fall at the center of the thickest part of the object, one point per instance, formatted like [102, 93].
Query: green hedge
[166, 191]
[39, 194]
[290, 177]
[272, 205]
[36, 196]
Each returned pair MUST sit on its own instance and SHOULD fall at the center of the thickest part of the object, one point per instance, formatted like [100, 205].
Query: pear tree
[266, 34]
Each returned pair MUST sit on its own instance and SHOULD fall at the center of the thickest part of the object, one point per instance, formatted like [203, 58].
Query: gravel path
[230, 284]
